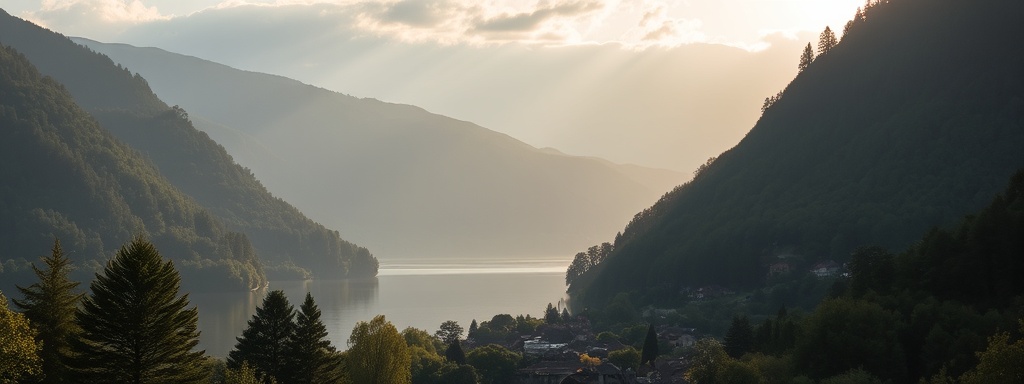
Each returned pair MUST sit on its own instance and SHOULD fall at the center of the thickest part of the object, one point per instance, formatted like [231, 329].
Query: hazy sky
[658, 83]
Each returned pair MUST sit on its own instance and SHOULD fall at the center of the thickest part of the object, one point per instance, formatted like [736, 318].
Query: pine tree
[50, 306]
[472, 328]
[806, 58]
[310, 353]
[739, 339]
[551, 314]
[135, 327]
[650, 351]
[454, 353]
[826, 41]
[264, 343]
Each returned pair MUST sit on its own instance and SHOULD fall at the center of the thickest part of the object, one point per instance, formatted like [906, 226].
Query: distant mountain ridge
[914, 119]
[123, 104]
[399, 179]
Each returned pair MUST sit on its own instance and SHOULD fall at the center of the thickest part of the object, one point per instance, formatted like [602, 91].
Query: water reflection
[409, 294]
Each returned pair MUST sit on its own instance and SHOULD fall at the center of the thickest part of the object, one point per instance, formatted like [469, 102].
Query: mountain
[123, 103]
[397, 178]
[914, 119]
[64, 176]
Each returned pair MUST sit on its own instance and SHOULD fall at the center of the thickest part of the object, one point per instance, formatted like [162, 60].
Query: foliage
[740, 337]
[844, 334]
[826, 41]
[454, 353]
[49, 305]
[551, 315]
[709, 360]
[626, 358]
[1001, 362]
[494, 363]
[265, 342]
[415, 337]
[584, 261]
[135, 326]
[246, 375]
[473, 326]
[377, 354]
[449, 331]
[650, 351]
[19, 353]
[806, 58]
[310, 355]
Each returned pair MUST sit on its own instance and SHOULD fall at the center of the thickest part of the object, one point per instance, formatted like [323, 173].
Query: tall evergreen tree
[826, 41]
[739, 339]
[806, 58]
[135, 327]
[650, 351]
[50, 306]
[472, 328]
[454, 353]
[310, 353]
[264, 343]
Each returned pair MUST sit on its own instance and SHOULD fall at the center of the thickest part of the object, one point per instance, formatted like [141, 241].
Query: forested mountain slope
[124, 104]
[64, 176]
[396, 178]
[915, 118]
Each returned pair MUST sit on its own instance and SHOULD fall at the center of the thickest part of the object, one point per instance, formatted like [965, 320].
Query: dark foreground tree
[826, 41]
[494, 363]
[455, 354]
[135, 327]
[377, 354]
[311, 356]
[650, 351]
[740, 337]
[50, 306]
[264, 343]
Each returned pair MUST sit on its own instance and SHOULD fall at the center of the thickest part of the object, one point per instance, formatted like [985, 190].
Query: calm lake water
[419, 294]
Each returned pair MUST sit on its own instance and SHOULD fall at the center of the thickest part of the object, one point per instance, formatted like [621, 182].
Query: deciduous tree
[49, 305]
[494, 363]
[449, 331]
[377, 354]
[19, 353]
[135, 327]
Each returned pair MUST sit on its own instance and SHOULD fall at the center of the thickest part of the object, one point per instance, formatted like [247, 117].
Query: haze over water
[409, 293]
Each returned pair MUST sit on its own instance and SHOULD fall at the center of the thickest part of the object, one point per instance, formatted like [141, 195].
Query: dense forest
[289, 243]
[64, 176]
[914, 118]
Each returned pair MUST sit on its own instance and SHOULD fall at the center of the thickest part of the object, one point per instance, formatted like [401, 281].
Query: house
[573, 372]
[826, 268]
[779, 268]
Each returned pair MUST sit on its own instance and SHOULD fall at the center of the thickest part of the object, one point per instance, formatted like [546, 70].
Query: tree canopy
[136, 328]
[265, 342]
[19, 354]
[377, 354]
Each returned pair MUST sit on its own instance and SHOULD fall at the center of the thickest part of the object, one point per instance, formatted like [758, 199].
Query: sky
[656, 83]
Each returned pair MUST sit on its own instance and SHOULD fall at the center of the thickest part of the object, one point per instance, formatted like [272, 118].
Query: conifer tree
[650, 351]
[806, 58]
[309, 351]
[739, 339]
[826, 41]
[50, 306]
[454, 353]
[472, 328]
[135, 327]
[264, 343]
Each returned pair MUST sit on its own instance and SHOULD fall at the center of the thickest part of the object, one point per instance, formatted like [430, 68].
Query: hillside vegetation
[915, 118]
[123, 103]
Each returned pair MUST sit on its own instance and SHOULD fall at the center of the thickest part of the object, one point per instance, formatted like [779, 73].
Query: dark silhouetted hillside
[123, 104]
[914, 119]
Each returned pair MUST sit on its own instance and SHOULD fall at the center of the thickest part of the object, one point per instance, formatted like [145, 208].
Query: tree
[449, 331]
[245, 375]
[708, 360]
[135, 326]
[472, 328]
[565, 315]
[1001, 362]
[806, 58]
[826, 41]
[626, 358]
[377, 354]
[310, 353]
[49, 305]
[454, 353]
[415, 337]
[650, 351]
[19, 353]
[551, 314]
[740, 337]
[494, 363]
[264, 343]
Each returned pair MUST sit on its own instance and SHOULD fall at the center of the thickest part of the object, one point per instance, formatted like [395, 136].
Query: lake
[409, 293]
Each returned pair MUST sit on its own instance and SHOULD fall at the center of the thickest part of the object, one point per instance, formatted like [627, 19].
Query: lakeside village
[565, 349]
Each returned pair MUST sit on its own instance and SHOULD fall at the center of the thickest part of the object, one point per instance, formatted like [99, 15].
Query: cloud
[530, 21]
[104, 16]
